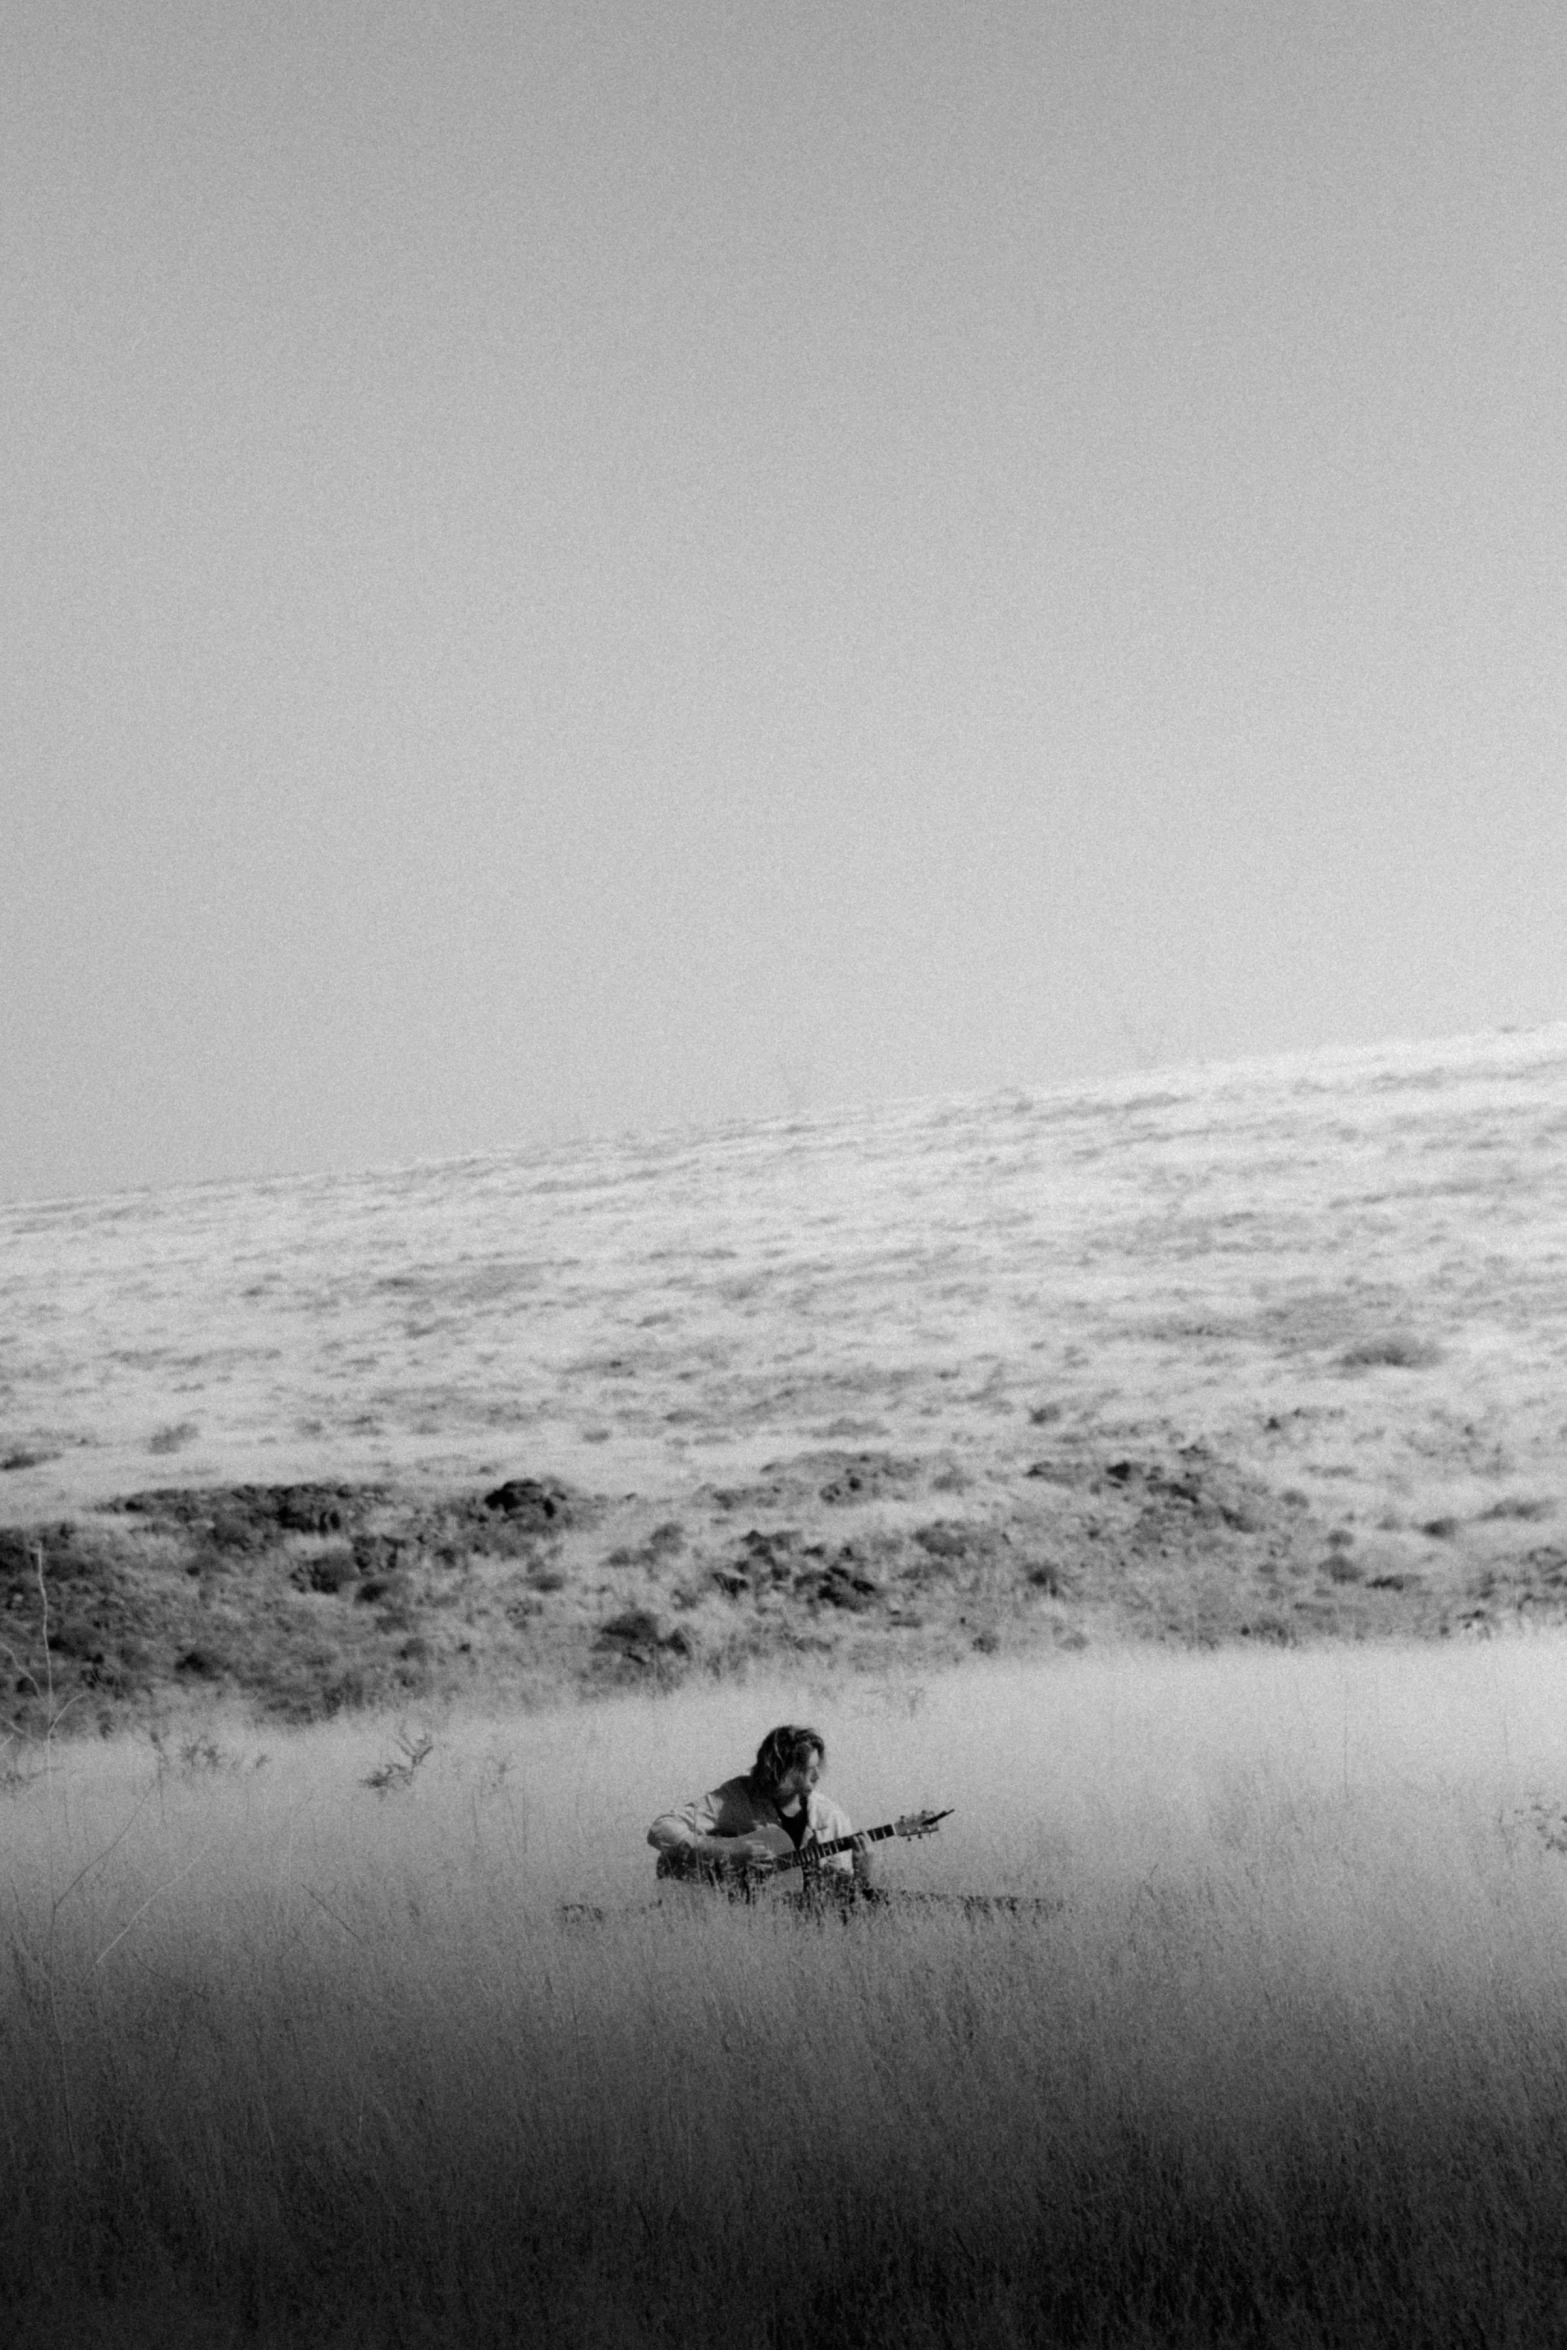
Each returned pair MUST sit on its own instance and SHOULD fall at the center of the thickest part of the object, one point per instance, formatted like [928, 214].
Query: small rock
[526, 1499]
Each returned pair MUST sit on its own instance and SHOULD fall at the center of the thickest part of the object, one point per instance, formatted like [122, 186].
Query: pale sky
[593, 564]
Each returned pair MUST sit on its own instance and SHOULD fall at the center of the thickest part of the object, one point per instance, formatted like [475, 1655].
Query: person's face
[796, 1785]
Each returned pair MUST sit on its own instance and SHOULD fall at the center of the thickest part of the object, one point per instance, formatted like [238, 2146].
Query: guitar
[786, 1855]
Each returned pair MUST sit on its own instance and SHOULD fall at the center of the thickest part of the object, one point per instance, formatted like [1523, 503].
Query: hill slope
[1271, 1351]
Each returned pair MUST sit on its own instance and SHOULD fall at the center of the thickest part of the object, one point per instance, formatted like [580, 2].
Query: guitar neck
[807, 1855]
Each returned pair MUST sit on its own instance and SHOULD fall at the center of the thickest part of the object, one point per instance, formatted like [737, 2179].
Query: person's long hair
[782, 1750]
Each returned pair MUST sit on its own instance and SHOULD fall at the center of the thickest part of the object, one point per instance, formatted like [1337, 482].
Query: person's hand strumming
[744, 1856]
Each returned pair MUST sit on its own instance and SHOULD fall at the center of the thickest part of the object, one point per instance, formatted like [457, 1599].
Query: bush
[1396, 1350]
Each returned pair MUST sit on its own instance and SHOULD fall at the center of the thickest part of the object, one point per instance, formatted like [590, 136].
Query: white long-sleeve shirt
[737, 1808]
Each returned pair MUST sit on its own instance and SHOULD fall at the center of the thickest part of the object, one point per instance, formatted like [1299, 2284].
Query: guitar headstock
[920, 1823]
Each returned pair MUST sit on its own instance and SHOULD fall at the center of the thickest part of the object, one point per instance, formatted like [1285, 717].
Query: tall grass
[1289, 2063]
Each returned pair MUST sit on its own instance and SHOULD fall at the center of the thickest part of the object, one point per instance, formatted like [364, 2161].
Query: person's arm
[689, 1838]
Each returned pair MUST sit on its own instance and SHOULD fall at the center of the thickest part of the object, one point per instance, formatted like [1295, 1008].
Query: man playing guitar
[772, 1818]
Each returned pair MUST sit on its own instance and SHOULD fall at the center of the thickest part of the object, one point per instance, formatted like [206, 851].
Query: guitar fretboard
[809, 1854]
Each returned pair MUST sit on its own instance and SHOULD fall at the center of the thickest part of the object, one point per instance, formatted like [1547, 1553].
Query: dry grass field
[1169, 1477]
[1270, 1353]
[290, 2061]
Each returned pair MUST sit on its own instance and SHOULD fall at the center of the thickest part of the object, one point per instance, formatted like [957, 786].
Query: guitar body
[832, 1860]
[791, 1867]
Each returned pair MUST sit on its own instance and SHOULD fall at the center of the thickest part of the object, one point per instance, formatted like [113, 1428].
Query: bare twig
[155, 1895]
[391, 1773]
[336, 1920]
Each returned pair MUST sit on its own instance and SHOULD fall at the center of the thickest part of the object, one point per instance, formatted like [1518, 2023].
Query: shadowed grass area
[306, 1601]
[730, 2128]
[293, 2061]
[734, 2129]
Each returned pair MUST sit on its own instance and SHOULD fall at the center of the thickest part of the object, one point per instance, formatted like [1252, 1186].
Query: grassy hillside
[1270, 1353]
